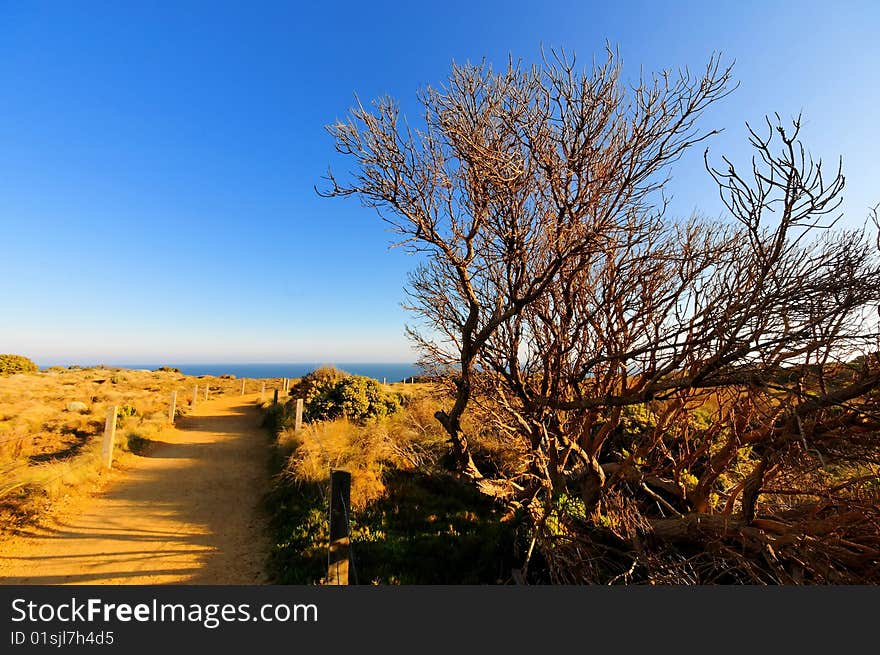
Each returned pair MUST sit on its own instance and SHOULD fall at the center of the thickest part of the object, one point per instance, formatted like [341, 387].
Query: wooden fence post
[299, 415]
[195, 396]
[275, 397]
[337, 559]
[242, 387]
[109, 438]
[173, 407]
[384, 380]
[263, 392]
[206, 392]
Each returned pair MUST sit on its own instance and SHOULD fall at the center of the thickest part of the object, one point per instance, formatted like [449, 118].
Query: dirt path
[188, 512]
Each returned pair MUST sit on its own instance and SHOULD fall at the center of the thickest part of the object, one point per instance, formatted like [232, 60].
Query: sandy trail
[189, 512]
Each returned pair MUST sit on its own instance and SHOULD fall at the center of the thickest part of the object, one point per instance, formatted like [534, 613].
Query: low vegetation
[412, 521]
[330, 393]
[12, 364]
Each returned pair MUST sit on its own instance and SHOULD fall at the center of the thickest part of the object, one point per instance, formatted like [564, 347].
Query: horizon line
[122, 363]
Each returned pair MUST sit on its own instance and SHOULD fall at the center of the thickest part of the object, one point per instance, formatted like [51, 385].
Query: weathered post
[195, 396]
[384, 380]
[173, 407]
[262, 391]
[340, 496]
[109, 438]
[299, 415]
[206, 392]
[275, 397]
[242, 387]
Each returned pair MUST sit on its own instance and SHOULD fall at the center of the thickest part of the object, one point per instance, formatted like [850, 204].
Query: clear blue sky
[157, 160]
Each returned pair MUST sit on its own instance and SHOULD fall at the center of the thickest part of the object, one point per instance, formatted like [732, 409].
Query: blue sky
[157, 160]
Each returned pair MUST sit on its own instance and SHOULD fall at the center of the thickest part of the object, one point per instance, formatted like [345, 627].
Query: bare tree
[654, 376]
[514, 174]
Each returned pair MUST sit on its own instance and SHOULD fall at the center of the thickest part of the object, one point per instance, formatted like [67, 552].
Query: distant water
[378, 370]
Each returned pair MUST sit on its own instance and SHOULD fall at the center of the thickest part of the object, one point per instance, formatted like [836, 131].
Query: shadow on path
[188, 511]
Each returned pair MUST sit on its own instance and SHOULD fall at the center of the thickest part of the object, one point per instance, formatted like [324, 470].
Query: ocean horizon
[392, 371]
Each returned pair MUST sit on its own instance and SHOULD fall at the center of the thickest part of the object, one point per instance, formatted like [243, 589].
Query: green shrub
[362, 398]
[125, 411]
[329, 393]
[12, 364]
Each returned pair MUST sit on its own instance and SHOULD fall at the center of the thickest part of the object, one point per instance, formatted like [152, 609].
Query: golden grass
[411, 438]
[48, 450]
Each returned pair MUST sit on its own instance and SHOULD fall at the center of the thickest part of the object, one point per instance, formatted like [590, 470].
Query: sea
[393, 372]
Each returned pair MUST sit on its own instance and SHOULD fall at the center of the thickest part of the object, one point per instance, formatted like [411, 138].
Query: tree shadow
[432, 528]
[428, 528]
[71, 449]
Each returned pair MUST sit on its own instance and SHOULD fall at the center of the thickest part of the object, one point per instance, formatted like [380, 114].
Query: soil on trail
[187, 512]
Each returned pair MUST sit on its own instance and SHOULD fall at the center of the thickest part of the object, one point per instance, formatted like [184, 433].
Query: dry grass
[411, 439]
[407, 440]
[49, 448]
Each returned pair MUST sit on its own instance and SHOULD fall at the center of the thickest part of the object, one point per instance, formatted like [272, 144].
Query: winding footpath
[187, 512]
